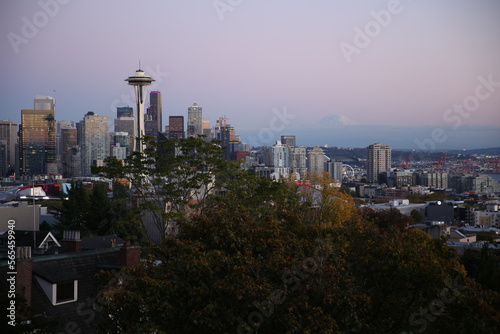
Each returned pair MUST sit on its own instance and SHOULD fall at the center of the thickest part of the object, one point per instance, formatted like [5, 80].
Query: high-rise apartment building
[195, 121]
[298, 161]
[8, 134]
[37, 138]
[176, 127]
[73, 163]
[334, 168]
[378, 161]
[316, 161]
[94, 139]
[60, 125]
[288, 140]
[280, 160]
[280, 155]
[68, 141]
[153, 117]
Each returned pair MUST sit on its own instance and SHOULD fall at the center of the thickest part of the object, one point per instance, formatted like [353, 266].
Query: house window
[65, 291]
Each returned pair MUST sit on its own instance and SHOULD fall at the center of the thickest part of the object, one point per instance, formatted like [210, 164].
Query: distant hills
[479, 151]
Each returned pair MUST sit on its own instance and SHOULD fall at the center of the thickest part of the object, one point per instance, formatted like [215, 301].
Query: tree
[417, 217]
[332, 205]
[253, 260]
[170, 178]
[386, 219]
[92, 212]
[73, 211]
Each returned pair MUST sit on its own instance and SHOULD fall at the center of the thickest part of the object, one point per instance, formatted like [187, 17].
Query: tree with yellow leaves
[331, 206]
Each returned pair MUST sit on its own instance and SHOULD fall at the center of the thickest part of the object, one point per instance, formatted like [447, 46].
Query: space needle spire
[139, 80]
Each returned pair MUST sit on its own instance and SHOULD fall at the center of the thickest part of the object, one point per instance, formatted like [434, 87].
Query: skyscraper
[288, 140]
[176, 127]
[378, 161]
[280, 160]
[195, 121]
[316, 161]
[207, 131]
[298, 161]
[68, 141]
[334, 168]
[37, 138]
[126, 124]
[153, 118]
[3, 157]
[8, 133]
[94, 139]
[60, 125]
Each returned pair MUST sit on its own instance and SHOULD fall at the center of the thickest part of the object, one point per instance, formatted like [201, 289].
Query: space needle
[139, 80]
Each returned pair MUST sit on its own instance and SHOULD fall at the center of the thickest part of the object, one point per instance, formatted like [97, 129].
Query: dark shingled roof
[83, 266]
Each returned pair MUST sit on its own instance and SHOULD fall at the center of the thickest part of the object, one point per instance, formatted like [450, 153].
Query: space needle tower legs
[139, 80]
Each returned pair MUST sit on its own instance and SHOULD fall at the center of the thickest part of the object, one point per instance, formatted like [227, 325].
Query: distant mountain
[334, 121]
[479, 151]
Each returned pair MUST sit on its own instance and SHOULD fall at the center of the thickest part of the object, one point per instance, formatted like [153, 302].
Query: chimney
[130, 255]
[71, 241]
[24, 268]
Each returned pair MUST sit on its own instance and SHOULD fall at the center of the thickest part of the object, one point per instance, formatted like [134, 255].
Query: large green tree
[92, 212]
[170, 178]
[255, 260]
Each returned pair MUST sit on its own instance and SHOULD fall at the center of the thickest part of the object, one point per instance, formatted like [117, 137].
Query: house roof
[83, 266]
[81, 315]
[101, 242]
[25, 239]
[55, 272]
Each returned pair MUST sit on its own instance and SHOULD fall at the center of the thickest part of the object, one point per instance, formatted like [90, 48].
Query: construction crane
[441, 162]
[406, 163]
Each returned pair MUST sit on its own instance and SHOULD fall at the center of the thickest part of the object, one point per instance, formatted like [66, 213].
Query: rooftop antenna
[139, 64]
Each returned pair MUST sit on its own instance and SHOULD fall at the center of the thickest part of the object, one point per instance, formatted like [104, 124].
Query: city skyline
[384, 71]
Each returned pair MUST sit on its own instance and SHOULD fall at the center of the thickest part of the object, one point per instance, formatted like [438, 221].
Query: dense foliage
[260, 256]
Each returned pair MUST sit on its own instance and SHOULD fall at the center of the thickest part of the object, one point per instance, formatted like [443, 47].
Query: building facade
[316, 161]
[68, 140]
[176, 127]
[298, 161]
[37, 138]
[195, 121]
[94, 138]
[378, 160]
[153, 117]
[124, 112]
[8, 134]
[288, 140]
[334, 168]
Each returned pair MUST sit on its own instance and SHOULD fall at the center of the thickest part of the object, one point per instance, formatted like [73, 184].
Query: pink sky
[262, 55]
